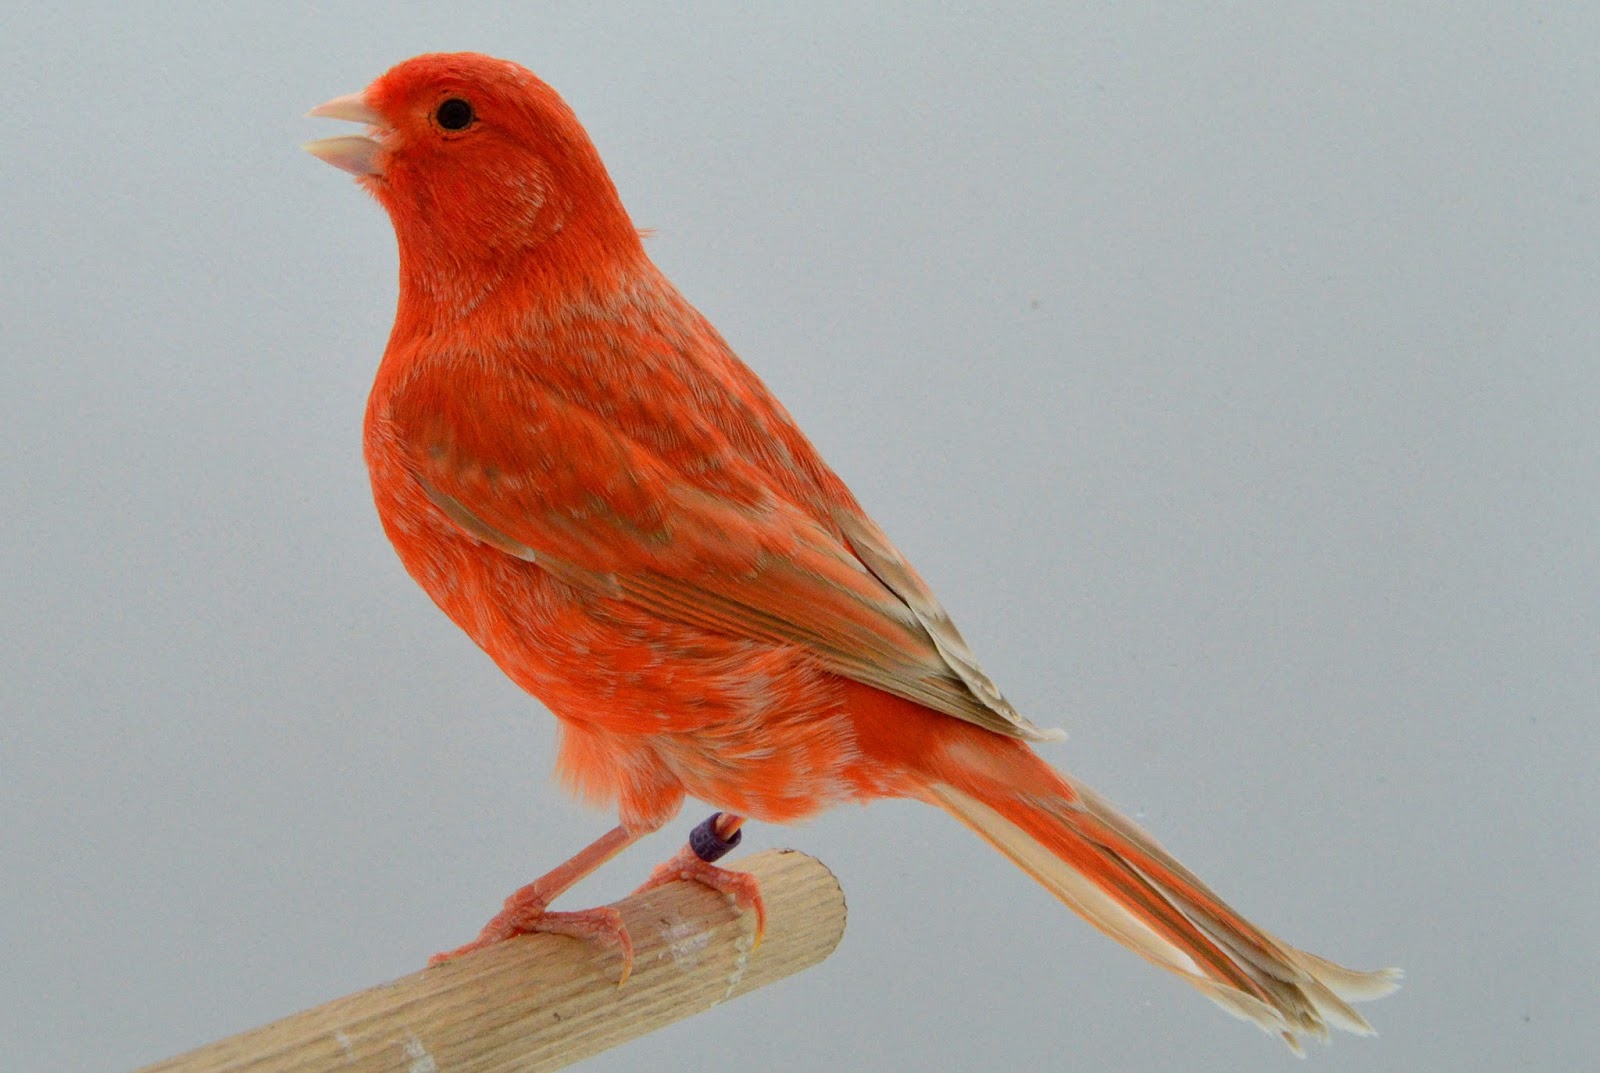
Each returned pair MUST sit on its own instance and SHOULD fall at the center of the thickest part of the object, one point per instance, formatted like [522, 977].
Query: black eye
[454, 114]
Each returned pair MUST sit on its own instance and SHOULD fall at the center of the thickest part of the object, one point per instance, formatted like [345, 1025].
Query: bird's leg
[525, 911]
[715, 836]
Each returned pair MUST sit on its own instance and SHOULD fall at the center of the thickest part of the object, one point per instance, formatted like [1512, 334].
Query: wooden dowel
[541, 1002]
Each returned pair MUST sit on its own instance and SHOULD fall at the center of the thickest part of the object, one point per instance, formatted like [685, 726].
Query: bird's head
[476, 159]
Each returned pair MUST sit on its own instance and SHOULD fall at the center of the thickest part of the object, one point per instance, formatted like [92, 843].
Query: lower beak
[355, 153]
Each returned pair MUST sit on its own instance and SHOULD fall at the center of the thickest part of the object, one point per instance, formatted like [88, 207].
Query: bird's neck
[443, 286]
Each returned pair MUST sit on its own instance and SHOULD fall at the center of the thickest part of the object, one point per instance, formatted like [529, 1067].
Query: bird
[583, 475]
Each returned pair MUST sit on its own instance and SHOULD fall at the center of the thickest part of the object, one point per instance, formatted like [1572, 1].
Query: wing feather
[549, 482]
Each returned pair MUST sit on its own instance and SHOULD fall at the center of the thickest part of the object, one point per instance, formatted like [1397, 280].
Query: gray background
[1231, 374]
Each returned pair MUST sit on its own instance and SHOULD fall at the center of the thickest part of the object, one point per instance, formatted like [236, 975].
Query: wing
[705, 541]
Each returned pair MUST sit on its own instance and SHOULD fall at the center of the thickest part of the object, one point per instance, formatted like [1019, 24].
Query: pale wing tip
[1352, 985]
[1046, 733]
[1389, 978]
[1376, 984]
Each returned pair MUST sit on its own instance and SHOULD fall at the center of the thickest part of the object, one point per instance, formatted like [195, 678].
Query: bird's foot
[525, 911]
[525, 914]
[709, 841]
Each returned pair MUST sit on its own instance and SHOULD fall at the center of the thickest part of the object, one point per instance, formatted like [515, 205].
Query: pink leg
[525, 911]
[742, 887]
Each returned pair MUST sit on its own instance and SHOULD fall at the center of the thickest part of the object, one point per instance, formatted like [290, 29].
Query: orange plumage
[587, 480]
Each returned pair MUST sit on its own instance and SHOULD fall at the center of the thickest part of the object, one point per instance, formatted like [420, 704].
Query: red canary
[587, 480]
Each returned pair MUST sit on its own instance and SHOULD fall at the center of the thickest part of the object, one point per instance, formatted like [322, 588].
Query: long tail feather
[1114, 875]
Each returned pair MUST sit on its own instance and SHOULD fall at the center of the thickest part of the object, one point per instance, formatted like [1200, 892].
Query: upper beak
[355, 153]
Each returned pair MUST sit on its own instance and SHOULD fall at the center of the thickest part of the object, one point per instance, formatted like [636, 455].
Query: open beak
[355, 153]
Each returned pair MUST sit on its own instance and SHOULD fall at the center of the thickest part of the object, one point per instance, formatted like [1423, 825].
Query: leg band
[707, 844]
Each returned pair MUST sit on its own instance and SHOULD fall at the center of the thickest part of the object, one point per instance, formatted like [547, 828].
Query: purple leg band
[707, 844]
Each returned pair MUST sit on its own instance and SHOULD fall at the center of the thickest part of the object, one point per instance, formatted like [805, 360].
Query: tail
[1115, 876]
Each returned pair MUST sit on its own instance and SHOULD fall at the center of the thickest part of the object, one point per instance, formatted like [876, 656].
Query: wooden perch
[541, 1002]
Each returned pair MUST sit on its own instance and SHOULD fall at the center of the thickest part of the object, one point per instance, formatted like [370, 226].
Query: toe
[742, 887]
